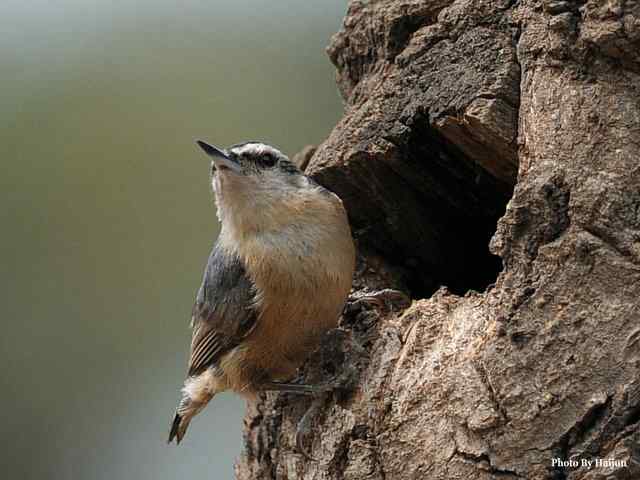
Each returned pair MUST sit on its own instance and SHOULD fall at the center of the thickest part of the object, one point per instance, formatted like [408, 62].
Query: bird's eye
[268, 160]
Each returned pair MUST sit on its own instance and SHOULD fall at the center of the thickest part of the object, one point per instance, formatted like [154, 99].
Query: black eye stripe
[262, 158]
[289, 167]
[268, 160]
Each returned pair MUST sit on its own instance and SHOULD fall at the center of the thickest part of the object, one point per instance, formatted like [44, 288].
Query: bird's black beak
[221, 159]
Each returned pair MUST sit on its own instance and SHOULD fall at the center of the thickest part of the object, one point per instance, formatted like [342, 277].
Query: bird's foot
[339, 356]
[362, 309]
[386, 298]
[298, 388]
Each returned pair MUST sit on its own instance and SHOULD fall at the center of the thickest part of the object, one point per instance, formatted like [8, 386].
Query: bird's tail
[187, 409]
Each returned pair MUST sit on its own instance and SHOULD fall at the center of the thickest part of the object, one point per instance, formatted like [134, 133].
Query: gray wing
[224, 311]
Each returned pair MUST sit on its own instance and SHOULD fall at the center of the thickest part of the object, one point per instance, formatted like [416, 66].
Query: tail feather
[178, 428]
[196, 394]
[184, 413]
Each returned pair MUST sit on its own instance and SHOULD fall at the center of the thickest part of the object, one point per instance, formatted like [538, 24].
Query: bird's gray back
[224, 310]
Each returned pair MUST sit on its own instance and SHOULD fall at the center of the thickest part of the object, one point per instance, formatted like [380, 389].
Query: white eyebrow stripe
[255, 149]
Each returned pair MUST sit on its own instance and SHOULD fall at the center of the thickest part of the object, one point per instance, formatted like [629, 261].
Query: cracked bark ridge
[445, 101]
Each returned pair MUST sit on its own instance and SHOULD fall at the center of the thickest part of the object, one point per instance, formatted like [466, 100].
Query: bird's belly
[300, 297]
[284, 337]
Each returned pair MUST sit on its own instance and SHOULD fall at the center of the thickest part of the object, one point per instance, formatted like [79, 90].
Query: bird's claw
[386, 298]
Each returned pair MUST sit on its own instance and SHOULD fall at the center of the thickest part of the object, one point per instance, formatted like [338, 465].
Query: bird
[275, 282]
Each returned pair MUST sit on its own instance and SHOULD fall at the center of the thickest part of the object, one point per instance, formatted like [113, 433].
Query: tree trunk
[462, 116]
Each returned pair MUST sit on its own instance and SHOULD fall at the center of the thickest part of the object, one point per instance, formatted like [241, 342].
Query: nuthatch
[275, 283]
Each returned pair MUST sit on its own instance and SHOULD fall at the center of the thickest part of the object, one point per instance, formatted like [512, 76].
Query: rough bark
[472, 123]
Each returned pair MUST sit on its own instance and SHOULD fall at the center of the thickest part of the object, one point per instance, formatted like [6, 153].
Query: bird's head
[254, 183]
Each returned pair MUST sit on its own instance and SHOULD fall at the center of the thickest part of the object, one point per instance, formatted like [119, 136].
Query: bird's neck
[288, 245]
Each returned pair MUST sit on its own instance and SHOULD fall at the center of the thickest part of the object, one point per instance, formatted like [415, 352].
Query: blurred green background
[107, 216]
